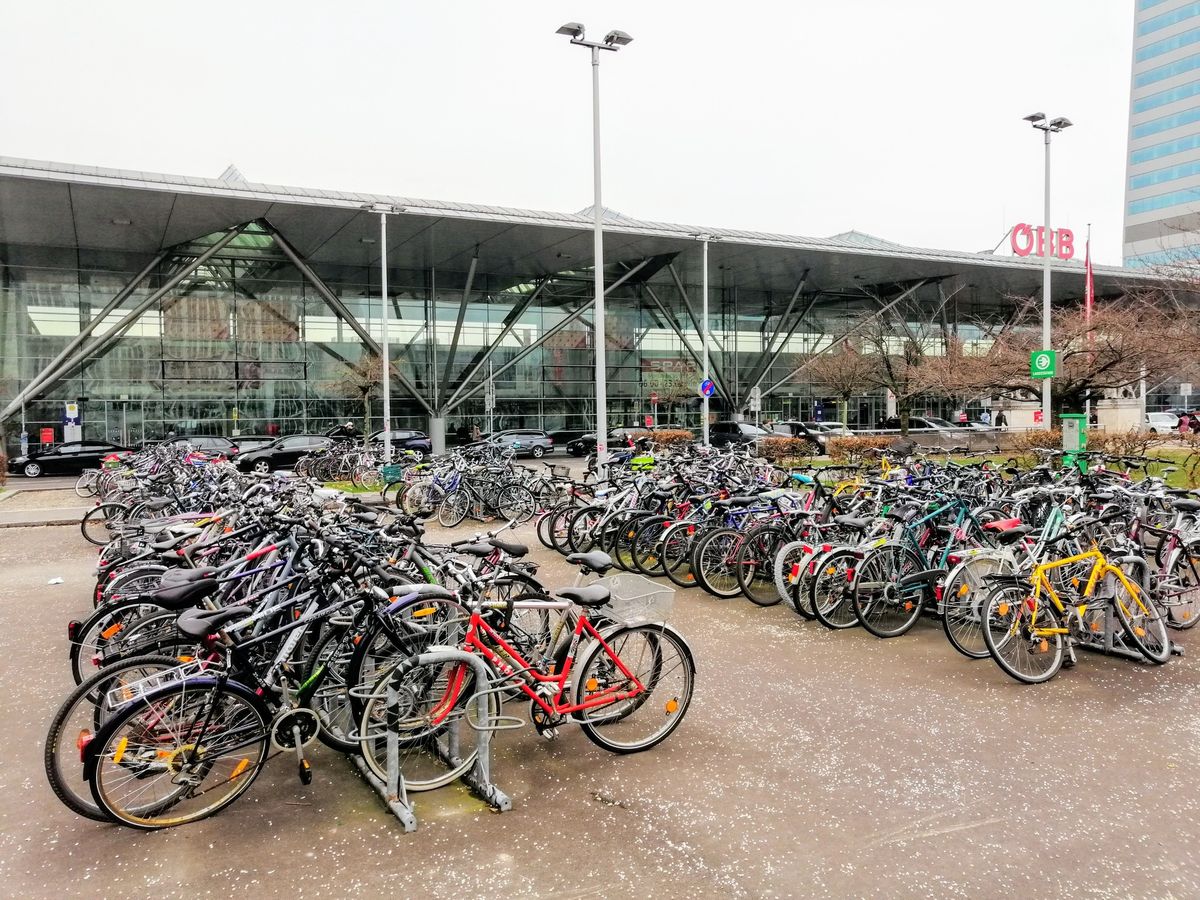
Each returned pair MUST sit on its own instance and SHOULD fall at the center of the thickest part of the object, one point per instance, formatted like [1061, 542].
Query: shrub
[785, 450]
[853, 449]
[666, 438]
[3, 469]
[1127, 443]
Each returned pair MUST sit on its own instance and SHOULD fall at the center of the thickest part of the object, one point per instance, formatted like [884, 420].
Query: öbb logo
[1026, 239]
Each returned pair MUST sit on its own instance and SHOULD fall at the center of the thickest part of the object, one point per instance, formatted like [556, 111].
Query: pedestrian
[475, 431]
[1195, 424]
[1001, 420]
[962, 417]
[1093, 419]
[1185, 425]
[985, 418]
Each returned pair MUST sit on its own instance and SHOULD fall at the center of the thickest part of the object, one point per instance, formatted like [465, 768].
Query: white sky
[809, 117]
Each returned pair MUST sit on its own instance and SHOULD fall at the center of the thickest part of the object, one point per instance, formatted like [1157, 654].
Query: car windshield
[938, 423]
[752, 430]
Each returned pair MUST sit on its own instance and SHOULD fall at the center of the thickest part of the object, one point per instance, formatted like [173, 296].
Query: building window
[1166, 45]
[1168, 18]
[1158, 176]
[1179, 145]
[1162, 98]
[1161, 201]
[1170, 70]
[1166, 123]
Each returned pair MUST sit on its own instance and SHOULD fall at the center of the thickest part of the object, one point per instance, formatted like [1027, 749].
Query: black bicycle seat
[479, 548]
[1186, 505]
[512, 548]
[200, 623]
[592, 595]
[1012, 535]
[597, 561]
[183, 595]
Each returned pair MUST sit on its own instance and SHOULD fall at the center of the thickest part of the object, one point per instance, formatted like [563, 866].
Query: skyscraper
[1162, 188]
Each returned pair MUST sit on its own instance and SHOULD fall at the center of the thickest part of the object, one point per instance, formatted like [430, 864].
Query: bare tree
[846, 372]
[364, 380]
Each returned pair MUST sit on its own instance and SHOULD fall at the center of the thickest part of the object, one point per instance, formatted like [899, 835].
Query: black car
[282, 453]
[723, 434]
[69, 458]
[207, 443]
[253, 441]
[802, 430]
[416, 441]
[586, 444]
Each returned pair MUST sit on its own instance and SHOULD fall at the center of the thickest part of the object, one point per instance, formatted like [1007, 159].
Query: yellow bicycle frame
[1101, 567]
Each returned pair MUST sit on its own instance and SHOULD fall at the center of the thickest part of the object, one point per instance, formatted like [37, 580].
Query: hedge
[853, 449]
[666, 437]
[784, 449]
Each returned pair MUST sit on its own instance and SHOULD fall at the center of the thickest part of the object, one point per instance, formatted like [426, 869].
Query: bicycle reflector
[85, 738]
[73, 630]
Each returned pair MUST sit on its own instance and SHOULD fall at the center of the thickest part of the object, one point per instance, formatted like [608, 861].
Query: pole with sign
[1043, 364]
[653, 408]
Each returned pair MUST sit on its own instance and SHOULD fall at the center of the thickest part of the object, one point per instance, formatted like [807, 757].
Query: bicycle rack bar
[393, 794]
[479, 778]
[1110, 647]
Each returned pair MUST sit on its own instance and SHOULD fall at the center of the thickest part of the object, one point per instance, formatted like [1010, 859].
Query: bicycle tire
[754, 565]
[97, 524]
[884, 607]
[1008, 624]
[829, 588]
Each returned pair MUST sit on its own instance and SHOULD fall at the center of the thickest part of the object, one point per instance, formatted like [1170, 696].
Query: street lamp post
[704, 238]
[1038, 121]
[614, 40]
[384, 348]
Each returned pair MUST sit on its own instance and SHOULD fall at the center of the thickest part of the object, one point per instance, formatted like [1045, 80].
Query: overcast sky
[808, 117]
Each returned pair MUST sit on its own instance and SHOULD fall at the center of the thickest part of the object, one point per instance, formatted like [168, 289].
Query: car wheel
[538, 452]
[1154, 431]
[262, 467]
[32, 470]
[417, 455]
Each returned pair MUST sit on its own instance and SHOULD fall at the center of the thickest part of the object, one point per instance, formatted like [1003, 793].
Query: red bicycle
[628, 686]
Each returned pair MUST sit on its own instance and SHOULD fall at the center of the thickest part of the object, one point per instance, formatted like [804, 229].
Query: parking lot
[811, 763]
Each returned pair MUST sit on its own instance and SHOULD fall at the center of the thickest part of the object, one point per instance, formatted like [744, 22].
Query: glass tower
[1162, 188]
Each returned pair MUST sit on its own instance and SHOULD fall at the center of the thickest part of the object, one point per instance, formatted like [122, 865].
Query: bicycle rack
[1112, 647]
[392, 791]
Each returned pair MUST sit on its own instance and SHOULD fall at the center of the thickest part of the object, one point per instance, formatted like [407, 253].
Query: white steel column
[598, 332]
[1047, 421]
[384, 345]
[704, 335]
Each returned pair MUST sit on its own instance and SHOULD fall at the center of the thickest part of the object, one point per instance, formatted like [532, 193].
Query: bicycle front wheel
[637, 689]
[179, 754]
[1142, 621]
[882, 605]
[1017, 631]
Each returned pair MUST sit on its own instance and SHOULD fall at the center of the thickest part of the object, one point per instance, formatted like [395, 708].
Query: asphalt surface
[811, 763]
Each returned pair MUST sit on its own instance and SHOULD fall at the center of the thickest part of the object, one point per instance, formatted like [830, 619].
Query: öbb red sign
[1026, 239]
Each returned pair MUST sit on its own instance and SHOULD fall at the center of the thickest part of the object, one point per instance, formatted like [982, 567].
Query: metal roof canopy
[70, 206]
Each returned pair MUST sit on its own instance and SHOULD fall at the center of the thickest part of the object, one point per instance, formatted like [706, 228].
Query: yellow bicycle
[1031, 625]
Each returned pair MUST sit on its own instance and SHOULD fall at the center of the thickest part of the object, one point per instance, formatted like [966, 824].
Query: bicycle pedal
[548, 733]
[305, 772]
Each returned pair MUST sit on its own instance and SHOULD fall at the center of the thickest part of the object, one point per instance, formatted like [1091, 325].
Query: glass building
[1162, 190]
[166, 303]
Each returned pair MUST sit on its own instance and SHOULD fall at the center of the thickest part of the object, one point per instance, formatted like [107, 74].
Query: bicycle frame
[1101, 568]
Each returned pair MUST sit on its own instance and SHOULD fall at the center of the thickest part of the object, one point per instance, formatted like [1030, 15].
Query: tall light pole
[384, 348]
[614, 40]
[704, 238]
[1038, 121]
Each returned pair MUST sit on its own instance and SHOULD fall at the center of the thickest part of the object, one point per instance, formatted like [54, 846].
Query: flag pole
[1089, 296]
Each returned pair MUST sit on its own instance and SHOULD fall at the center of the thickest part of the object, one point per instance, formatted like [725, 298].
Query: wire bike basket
[636, 600]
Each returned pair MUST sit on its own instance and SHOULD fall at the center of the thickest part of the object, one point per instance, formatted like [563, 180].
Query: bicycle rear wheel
[962, 598]
[1142, 621]
[713, 561]
[99, 525]
[829, 588]
[649, 675]
[882, 605]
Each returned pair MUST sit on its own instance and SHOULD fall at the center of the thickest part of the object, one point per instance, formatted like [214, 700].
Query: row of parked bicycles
[1022, 564]
[237, 617]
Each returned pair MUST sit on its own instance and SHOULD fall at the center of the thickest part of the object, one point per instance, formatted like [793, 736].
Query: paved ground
[811, 763]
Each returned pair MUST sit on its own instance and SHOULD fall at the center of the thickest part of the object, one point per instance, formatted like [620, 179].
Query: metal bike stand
[1110, 647]
[479, 779]
[393, 792]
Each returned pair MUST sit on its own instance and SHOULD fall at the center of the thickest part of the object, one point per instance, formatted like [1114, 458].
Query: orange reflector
[163, 754]
[672, 706]
[1002, 609]
[1187, 615]
[121, 745]
[427, 611]
[1095, 626]
[185, 658]
[631, 534]
[111, 630]
[1140, 632]
[1044, 646]
[83, 740]
[1075, 582]
[240, 768]
[965, 589]
[357, 639]
[829, 570]
[908, 606]
[652, 561]
[689, 577]
[592, 685]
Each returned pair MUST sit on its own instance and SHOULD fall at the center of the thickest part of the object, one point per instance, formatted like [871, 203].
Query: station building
[164, 303]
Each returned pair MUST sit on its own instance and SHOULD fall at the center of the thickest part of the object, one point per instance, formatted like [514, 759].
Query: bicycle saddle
[597, 561]
[592, 595]
[187, 594]
[1186, 505]
[512, 548]
[425, 591]
[157, 504]
[479, 548]
[176, 577]
[1012, 535]
[858, 524]
[200, 623]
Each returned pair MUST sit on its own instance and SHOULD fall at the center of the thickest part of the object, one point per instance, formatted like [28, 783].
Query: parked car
[406, 439]
[586, 444]
[1161, 422]
[834, 429]
[722, 434]
[805, 430]
[281, 453]
[253, 441]
[564, 437]
[526, 441]
[69, 458]
[208, 444]
[918, 423]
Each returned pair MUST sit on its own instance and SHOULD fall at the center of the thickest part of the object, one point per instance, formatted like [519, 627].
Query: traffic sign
[1185, 388]
[707, 388]
[755, 399]
[654, 396]
[1043, 364]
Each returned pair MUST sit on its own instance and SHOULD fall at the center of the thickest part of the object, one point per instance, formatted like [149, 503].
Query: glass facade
[246, 344]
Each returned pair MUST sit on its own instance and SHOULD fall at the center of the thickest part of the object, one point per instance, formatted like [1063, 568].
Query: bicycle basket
[558, 471]
[392, 474]
[636, 600]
